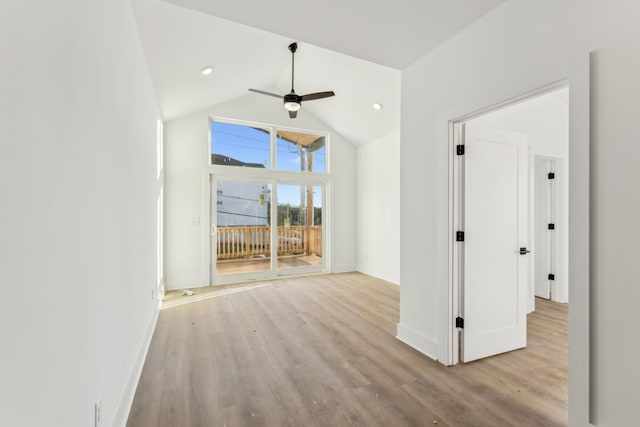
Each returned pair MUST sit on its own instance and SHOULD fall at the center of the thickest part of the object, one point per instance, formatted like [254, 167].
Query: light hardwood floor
[264, 264]
[321, 351]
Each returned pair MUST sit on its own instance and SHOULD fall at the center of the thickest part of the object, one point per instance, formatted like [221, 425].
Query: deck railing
[254, 241]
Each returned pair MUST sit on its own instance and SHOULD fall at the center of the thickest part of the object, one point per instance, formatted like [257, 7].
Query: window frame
[273, 132]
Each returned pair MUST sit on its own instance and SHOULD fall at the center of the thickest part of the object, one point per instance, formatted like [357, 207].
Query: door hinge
[551, 175]
[459, 236]
[460, 149]
[551, 226]
[459, 322]
[552, 277]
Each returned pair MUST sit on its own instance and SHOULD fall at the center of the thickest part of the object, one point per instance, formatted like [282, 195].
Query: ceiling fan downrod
[293, 47]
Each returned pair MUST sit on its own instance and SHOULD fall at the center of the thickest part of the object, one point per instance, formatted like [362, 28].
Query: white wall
[379, 208]
[520, 46]
[77, 221]
[545, 121]
[186, 155]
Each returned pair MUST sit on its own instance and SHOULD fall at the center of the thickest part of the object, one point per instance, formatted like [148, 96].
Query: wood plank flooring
[263, 264]
[321, 351]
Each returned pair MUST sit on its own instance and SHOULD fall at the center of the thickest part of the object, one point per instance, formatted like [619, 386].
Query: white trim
[207, 264]
[456, 222]
[344, 268]
[415, 339]
[187, 282]
[124, 407]
[251, 174]
[253, 276]
[579, 228]
[531, 292]
[454, 298]
[579, 242]
[559, 290]
[384, 275]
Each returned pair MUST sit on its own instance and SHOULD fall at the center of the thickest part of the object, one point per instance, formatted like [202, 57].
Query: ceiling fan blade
[293, 114]
[266, 93]
[317, 95]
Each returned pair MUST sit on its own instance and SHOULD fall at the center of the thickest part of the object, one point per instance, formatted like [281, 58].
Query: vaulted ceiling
[356, 48]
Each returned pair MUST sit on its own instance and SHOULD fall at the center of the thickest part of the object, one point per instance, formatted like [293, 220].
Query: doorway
[263, 228]
[548, 224]
[500, 204]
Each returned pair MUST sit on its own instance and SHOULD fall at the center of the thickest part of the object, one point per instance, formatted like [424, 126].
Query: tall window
[268, 201]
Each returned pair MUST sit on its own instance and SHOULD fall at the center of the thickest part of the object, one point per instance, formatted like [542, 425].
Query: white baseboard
[391, 278]
[344, 268]
[132, 384]
[413, 338]
[186, 283]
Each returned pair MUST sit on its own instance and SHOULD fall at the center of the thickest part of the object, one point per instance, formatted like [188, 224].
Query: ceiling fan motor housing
[292, 97]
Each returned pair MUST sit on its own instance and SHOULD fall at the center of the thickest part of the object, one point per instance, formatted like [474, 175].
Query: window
[239, 145]
[300, 151]
[267, 147]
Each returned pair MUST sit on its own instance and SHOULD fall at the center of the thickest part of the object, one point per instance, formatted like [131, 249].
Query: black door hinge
[460, 149]
[459, 322]
[459, 236]
[551, 175]
[552, 277]
[551, 226]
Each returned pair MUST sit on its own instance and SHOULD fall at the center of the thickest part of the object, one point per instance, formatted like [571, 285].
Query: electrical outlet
[98, 413]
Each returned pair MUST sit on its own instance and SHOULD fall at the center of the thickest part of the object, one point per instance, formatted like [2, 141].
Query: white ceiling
[179, 41]
[390, 32]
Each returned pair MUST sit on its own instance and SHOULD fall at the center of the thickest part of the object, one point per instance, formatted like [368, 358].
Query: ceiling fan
[293, 101]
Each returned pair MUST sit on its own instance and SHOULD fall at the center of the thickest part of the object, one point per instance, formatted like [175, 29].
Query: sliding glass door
[245, 245]
[241, 229]
[300, 232]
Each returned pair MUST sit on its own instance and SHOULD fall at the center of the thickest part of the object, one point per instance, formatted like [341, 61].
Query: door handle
[524, 251]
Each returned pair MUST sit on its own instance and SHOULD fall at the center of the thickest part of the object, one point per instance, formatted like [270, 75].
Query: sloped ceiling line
[246, 42]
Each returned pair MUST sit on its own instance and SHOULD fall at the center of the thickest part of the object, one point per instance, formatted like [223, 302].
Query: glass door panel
[299, 224]
[241, 220]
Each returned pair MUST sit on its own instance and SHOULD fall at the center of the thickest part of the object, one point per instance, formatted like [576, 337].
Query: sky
[250, 145]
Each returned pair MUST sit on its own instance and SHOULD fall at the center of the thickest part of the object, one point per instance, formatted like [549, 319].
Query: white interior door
[543, 235]
[496, 225]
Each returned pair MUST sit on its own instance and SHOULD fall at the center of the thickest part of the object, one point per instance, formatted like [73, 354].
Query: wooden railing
[254, 241]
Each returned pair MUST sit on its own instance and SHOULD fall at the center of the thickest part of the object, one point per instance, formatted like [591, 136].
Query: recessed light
[207, 70]
[377, 106]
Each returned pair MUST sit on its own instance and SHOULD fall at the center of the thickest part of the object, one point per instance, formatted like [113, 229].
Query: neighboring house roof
[218, 159]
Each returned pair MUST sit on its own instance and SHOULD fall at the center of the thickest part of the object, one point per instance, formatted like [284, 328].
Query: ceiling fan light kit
[292, 106]
[293, 101]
